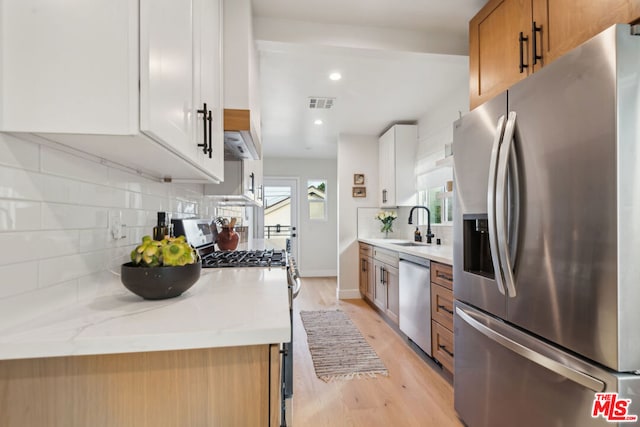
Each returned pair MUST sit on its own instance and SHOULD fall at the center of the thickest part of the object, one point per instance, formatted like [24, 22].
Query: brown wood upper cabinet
[504, 33]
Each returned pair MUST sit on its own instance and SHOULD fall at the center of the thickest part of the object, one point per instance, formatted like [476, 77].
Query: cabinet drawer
[442, 345]
[388, 257]
[366, 250]
[442, 306]
[442, 274]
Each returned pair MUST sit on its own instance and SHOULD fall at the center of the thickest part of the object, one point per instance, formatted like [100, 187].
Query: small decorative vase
[228, 239]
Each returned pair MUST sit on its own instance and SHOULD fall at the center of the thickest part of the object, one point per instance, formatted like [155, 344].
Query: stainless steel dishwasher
[415, 300]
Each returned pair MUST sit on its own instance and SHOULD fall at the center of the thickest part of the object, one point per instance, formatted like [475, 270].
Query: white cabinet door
[251, 169]
[166, 74]
[69, 66]
[386, 151]
[396, 163]
[207, 21]
[259, 181]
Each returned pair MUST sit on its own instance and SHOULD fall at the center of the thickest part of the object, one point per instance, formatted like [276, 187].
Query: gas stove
[256, 258]
[202, 236]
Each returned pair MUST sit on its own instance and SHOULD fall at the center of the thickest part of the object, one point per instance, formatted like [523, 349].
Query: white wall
[317, 34]
[435, 129]
[317, 240]
[55, 244]
[356, 154]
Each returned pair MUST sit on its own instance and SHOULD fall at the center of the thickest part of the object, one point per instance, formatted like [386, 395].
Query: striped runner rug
[338, 349]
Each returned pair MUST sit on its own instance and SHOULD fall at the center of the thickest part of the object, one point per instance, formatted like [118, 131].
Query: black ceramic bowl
[159, 282]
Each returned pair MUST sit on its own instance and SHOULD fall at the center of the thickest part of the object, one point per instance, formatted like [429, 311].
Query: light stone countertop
[226, 307]
[438, 253]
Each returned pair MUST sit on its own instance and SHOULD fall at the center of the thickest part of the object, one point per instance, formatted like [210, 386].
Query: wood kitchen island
[207, 358]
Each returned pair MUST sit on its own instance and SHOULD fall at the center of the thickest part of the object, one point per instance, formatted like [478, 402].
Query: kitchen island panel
[203, 387]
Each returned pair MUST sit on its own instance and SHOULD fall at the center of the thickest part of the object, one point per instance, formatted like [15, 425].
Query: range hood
[241, 186]
[241, 141]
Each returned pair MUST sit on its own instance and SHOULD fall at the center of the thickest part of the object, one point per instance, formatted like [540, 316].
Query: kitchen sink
[410, 244]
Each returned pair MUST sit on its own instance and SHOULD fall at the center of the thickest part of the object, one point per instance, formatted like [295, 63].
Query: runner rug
[338, 349]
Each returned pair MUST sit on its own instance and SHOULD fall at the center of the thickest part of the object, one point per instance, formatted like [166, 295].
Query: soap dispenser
[417, 236]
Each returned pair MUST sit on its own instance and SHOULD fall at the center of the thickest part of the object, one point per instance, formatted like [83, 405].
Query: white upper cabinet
[166, 73]
[115, 78]
[242, 186]
[241, 70]
[208, 81]
[396, 165]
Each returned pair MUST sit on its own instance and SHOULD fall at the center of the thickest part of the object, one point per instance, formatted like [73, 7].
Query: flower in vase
[387, 218]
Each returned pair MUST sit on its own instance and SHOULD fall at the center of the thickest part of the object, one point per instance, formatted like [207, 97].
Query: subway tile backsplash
[55, 211]
[369, 226]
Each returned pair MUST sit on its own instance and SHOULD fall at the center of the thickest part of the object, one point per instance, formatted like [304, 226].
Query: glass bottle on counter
[161, 230]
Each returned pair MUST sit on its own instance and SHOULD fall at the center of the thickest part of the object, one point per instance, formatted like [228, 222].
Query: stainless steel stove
[202, 236]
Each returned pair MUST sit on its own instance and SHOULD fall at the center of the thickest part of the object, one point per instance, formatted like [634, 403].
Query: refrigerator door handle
[491, 205]
[502, 229]
[574, 375]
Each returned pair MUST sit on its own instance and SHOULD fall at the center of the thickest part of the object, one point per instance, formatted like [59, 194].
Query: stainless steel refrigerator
[547, 244]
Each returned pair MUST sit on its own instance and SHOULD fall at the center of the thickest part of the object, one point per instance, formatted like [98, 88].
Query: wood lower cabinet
[442, 314]
[366, 275]
[550, 28]
[386, 283]
[235, 386]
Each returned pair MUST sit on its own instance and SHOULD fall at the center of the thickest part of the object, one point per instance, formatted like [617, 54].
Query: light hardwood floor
[413, 394]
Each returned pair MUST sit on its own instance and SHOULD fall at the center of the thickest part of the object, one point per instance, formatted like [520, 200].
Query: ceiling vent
[317, 103]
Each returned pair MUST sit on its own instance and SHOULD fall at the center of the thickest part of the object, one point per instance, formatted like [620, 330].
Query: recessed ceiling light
[317, 122]
[335, 76]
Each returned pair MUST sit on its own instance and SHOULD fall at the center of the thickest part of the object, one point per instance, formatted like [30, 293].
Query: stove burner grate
[255, 258]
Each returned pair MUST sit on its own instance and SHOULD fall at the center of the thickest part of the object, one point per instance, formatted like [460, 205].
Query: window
[440, 204]
[316, 195]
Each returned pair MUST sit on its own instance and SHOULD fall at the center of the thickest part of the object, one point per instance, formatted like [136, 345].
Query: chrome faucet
[429, 234]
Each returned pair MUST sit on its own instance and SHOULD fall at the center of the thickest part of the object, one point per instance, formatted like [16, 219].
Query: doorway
[280, 218]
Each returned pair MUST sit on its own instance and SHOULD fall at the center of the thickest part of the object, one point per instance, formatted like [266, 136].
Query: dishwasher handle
[424, 262]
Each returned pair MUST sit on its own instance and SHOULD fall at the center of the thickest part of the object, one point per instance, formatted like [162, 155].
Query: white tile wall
[55, 243]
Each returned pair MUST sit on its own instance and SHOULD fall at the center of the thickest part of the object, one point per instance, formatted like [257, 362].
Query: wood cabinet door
[371, 279]
[566, 24]
[494, 48]
[364, 275]
[392, 283]
[379, 287]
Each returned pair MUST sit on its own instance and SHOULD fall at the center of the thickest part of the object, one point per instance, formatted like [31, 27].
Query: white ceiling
[381, 48]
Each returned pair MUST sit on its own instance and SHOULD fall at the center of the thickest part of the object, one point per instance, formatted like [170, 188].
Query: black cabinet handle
[522, 39]
[253, 183]
[210, 120]
[444, 276]
[442, 307]
[362, 265]
[384, 196]
[204, 144]
[443, 348]
[535, 29]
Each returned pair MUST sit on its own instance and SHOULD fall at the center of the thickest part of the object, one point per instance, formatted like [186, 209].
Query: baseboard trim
[349, 294]
[318, 273]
